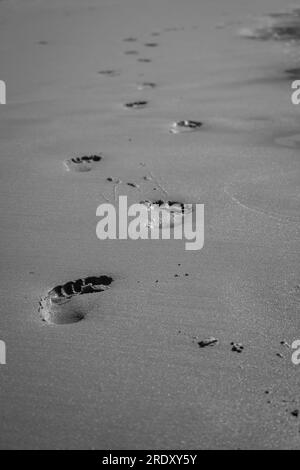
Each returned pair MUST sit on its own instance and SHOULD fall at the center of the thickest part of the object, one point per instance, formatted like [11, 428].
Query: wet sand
[131, 374]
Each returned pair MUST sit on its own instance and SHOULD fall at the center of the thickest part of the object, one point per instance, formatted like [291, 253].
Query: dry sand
[131, 375]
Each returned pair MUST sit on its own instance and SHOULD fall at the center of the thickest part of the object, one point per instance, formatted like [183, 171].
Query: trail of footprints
[58, 305]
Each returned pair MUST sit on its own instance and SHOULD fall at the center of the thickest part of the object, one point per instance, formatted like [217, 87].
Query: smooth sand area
[131, 375]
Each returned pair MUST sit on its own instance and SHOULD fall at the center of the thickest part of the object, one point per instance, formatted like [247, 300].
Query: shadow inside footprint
[59, 307]
[84, 163]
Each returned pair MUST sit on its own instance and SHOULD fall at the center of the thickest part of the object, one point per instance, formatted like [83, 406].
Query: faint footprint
[136, 104]
[146, 85]
[151, 44]
[84, 163]
[59, 307]
[131, 52]
[109, 72]
[145, 60]
[130, 39]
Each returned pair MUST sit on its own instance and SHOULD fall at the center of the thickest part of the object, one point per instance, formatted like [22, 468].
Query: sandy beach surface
[131, 374]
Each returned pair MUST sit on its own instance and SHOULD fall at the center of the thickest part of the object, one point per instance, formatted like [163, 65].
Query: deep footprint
[84, 163]
[58, 306]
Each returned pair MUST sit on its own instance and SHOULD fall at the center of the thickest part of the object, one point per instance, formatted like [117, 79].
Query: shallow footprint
[151, 44]
[165, 213]
[84, 163]
[136, 104]
[146, 85]
[59, 307]
[185, 126]
[109, 72]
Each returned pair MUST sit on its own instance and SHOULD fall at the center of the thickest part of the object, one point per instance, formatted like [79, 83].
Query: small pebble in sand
[295, 413]
[186, 125]
[136, 104]
[211, 341]
[237, 347]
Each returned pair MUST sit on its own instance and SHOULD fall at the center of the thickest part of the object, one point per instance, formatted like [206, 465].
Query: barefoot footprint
[185, 126]
[84, 163]
[59, 307]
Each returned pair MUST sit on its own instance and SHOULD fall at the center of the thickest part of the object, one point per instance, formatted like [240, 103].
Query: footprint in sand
[130, 39]
[84, 163]
[131, 52]
[165, 213]
[276, 26]
[136, 104]
[146, 85]
[151, 44]
[144, 60]
[185, 126]
[109, 72]
[59, 306]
